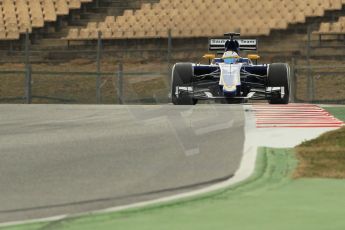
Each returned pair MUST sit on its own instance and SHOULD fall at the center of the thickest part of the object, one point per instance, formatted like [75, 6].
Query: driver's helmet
[230, 57]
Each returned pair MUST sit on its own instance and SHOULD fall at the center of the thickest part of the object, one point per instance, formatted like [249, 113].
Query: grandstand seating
[18, 16]
[204, 18]
[332, 28]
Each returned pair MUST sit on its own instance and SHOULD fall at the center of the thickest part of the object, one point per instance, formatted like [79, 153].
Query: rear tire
[279, 76]
[182, 75]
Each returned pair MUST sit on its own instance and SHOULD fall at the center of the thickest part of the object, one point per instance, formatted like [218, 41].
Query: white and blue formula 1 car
[230, 78]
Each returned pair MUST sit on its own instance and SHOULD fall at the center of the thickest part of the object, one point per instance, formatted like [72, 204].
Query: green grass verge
[324, 157]
[270, 199]
[338, 112]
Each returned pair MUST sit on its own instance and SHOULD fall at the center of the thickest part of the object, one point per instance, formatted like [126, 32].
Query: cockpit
[245, 61]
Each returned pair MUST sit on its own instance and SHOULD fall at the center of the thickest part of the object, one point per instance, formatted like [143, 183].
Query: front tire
[182, 75]
[279, 76]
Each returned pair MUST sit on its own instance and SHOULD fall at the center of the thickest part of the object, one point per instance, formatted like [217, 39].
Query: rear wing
[218, 45]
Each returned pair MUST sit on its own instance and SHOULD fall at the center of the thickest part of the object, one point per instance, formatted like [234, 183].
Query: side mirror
[209, 57]
[253, 57]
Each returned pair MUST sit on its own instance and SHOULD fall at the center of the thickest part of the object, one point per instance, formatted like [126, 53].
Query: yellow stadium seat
[109, 19]
[84, 33]
[118, 33]
[24, 21]
[61, 7]
[48, 10]
[2, 33]
[107, 33]
[19, 16]
[91, 25]
[204, 18]
[36, 13]
[336, 27]
[74, 4]
[73, 34]
[12, 33]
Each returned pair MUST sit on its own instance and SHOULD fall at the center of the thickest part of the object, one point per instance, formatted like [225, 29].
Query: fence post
[169, 55]
[310, 82]
[119, 90]
[28, 95]
[98, 77]
[27, 81]
[293, 80]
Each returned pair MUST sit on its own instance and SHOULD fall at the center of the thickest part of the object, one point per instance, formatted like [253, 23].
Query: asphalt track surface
[65, 159]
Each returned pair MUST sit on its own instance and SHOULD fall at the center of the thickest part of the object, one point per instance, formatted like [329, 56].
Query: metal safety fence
[313, 84]
[107, 78]
[99, 81]
[318, 84]
[118, 87]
